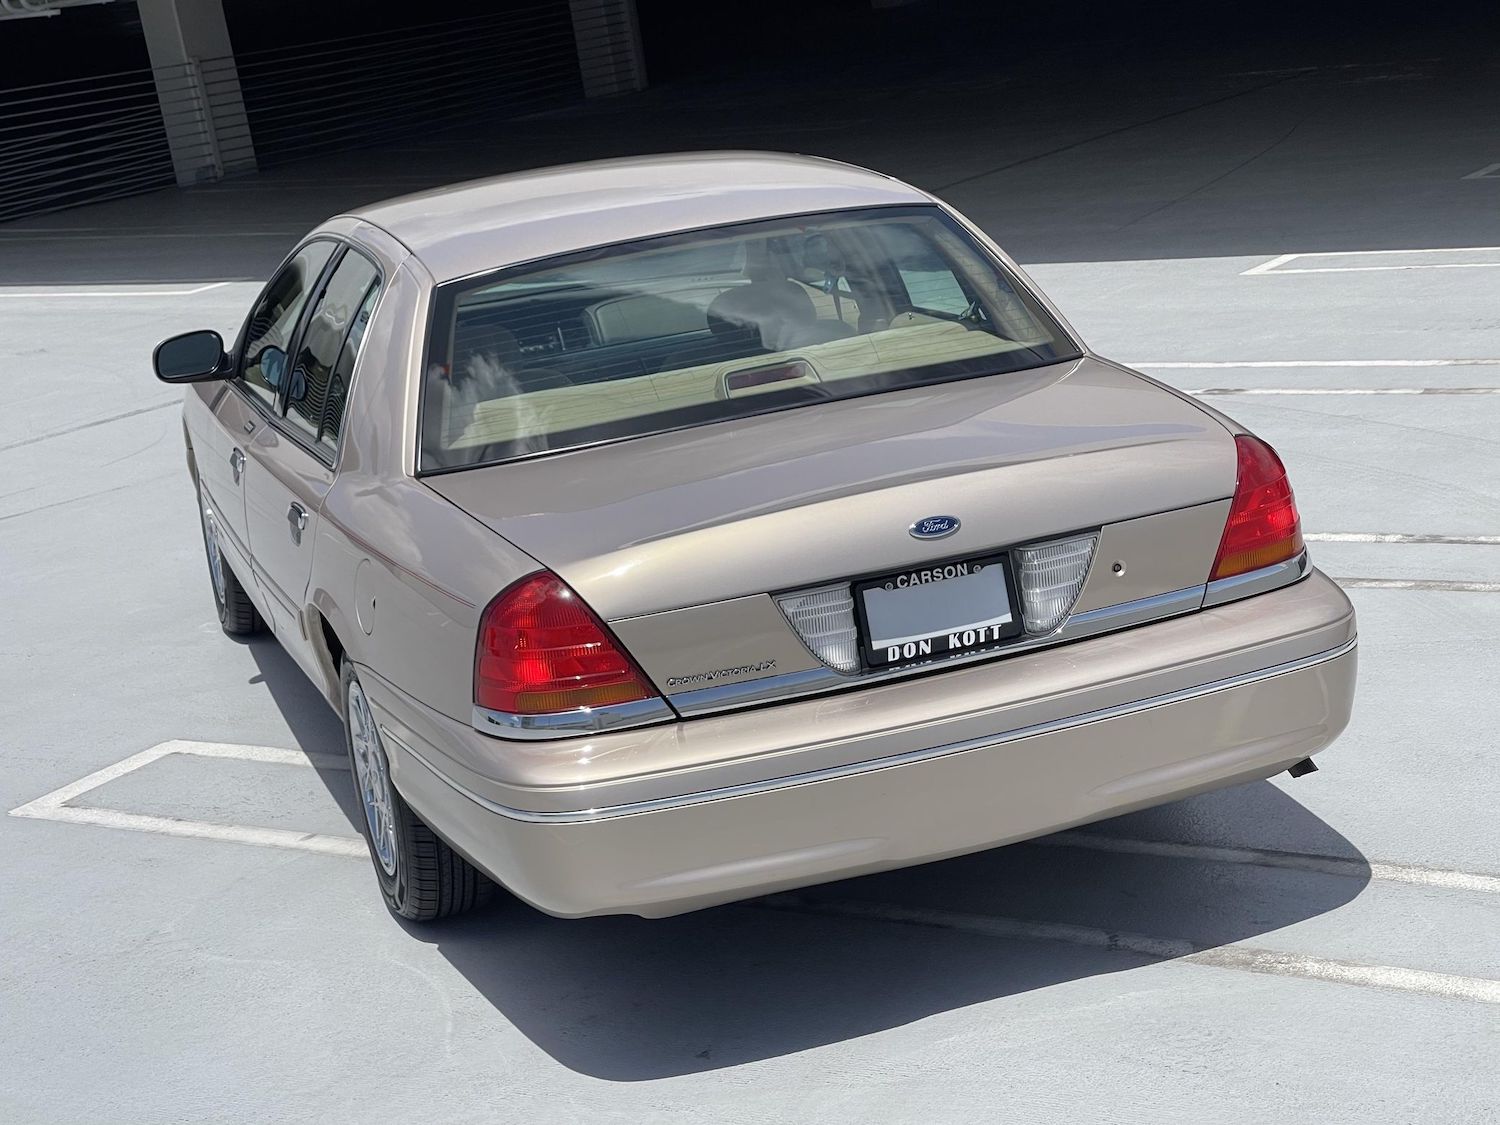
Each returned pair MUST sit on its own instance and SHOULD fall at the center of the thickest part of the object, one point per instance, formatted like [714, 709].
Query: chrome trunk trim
[818, 681]
[815, 681]
[1126, 614]
[1257, 581]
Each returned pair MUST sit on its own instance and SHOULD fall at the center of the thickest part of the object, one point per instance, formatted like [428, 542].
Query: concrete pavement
[1289, 951]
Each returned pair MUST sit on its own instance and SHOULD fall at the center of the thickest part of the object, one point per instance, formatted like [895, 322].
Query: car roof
[483, 225]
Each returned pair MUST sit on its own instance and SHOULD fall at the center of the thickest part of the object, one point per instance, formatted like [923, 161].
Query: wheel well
[334, 645]
[192, 460]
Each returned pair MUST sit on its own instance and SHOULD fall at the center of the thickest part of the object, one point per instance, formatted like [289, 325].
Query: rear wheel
[237, 614]
[420, 877]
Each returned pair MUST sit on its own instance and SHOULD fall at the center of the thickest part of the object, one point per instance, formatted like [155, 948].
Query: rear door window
[320, 372]
[343, 373]
[931, 283]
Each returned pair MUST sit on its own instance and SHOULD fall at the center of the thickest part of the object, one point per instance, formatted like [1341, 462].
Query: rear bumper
[886, 777]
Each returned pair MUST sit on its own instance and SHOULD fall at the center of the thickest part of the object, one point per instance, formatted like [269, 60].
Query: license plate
[937, 610]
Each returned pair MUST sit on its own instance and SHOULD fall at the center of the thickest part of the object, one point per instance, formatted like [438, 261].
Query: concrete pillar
[608, 36]
[198, 87]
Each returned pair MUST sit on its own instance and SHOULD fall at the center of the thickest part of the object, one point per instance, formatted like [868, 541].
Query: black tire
[421, 877]
[237, 613]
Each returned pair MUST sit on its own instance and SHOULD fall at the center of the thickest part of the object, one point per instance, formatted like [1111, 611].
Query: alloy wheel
[372, 777]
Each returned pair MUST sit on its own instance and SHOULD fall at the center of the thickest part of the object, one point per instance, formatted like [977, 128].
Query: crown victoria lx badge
[934, 527]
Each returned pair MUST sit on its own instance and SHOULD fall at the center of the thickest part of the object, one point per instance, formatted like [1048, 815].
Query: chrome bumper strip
[635, 808]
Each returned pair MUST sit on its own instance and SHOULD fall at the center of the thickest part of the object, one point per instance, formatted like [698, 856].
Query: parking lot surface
[189, 930]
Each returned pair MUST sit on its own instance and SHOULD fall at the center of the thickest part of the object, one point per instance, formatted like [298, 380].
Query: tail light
[541, 651]
[1263, 528]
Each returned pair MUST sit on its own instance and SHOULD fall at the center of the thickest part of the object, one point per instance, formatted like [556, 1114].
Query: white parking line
[1419, 584]
[1245, 958]
[1267, 267]
[1278, 265]
[204, 830]
[1235, 364]
[1293, 861]
[54, 805]
[1399, 537]
[1488, 172]
[64, 294]
[1345, 391]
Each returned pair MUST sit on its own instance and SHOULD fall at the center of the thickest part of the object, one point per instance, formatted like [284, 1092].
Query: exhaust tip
[1305, 766]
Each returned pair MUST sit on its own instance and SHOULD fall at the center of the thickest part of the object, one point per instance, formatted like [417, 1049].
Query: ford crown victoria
[675, 530]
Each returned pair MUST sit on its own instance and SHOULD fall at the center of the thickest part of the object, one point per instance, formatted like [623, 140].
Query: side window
[928, 277]
[343, 371]
[274, 319]
[320, 374]
[935, 287]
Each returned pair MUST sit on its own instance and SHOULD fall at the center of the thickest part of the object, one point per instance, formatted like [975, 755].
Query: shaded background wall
[84, 115]
[87, 113]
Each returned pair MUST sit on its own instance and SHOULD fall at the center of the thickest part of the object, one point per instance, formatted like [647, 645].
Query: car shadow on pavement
[312, 722]
[630, 999]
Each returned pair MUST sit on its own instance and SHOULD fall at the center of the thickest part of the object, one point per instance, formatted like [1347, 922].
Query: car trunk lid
[827, 492]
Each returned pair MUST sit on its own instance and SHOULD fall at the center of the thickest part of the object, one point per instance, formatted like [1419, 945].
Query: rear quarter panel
[400, 574]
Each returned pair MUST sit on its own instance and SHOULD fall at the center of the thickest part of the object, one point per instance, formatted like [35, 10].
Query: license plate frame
[938, 649]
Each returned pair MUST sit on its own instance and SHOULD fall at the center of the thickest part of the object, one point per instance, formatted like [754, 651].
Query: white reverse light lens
[824, 619]
[1051, 576]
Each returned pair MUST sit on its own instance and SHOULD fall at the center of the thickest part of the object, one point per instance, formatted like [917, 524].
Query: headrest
[480, 338]
[769, 307]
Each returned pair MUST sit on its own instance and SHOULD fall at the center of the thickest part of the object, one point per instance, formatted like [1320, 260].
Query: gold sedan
[674, 530]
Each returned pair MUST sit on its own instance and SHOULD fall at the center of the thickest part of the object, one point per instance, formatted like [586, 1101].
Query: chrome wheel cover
[215, 556]
[372, 778]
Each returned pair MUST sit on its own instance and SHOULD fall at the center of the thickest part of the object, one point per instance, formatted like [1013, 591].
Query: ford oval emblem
[934, 527]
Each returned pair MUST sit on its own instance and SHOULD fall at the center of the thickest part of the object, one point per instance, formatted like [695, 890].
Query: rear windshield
[690, 329]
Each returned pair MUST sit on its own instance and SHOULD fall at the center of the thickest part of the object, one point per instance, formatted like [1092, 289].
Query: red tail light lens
[541, 650]
[1263, 527]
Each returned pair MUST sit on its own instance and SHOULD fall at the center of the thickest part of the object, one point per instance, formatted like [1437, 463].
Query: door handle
[296, 516]
[237, 464]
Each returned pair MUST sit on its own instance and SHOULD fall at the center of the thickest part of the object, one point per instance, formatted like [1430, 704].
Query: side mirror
[193, 357]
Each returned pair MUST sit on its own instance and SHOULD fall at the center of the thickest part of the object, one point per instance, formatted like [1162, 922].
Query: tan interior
[912, 340]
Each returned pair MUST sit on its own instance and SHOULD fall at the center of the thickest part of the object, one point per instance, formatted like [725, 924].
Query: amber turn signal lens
[1263, 527]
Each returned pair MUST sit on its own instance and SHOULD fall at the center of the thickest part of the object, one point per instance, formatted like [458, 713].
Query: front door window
[273, 322]
[325, 357]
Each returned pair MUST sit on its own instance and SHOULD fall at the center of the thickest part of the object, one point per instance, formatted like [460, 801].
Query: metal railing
[363, 88]
[78, 141]
[85, 140]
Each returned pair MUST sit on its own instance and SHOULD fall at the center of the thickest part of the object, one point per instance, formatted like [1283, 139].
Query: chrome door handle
[296, 515]
[237, 464]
